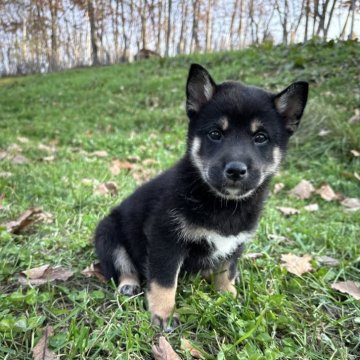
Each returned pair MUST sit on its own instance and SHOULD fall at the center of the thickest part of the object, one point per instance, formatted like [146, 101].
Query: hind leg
[129, 283]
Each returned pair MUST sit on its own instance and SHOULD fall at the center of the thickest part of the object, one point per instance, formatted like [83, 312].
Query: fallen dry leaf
[118, 165]
[324, 132]
[186, 345]
[43, 274]
[23, 139]
[351, 204]
[357, 176]
[327, 261]
[133, 158]
[19, 160]
[99, 154]
[5, 174]
[287, 211]
[47, 148]
[88, 182]
[278, 187]
[253, 256]
[3, 155]
[41, 350]
[94, 270]
[355, 153]
[108, 188]
[311, 207]
[14, 148]
[149, 162]
[348, 287]
[302, 190]
[327, 193]
[49, 158]
[164, 351]
[297, 265]
[142, 175]
[29, 217]
[355, 118]
[281, 239]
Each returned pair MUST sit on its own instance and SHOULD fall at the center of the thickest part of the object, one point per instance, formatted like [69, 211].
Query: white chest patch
[223, 245]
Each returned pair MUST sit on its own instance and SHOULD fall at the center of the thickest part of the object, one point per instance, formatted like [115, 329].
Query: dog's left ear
[200, 88]
[291, 102]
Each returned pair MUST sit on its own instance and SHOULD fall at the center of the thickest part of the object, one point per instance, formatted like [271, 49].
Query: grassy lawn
[136, 112]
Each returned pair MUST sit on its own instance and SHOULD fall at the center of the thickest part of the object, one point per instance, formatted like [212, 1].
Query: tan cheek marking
[161, 300]
[224, 123]
[128, 279]
[222, 281]
[255, 125]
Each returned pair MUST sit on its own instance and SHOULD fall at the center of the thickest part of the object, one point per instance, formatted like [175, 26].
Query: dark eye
[260, 138]
[215, 135]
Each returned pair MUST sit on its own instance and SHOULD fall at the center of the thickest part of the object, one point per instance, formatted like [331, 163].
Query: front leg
[164, 268]
[225, 276]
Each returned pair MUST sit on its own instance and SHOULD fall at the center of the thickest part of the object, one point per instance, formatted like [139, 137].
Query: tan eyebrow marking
[224, 123]
[255, 125]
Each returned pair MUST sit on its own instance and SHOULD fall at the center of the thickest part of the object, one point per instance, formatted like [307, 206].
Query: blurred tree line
[48, 35]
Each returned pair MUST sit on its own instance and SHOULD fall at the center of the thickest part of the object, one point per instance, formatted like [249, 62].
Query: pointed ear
[200, 88]
[290, 103]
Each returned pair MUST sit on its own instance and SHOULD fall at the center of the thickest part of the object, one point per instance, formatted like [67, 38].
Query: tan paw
[167, 324]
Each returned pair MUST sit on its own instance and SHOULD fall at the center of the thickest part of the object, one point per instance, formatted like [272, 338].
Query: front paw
[229, 287]
[166, 323]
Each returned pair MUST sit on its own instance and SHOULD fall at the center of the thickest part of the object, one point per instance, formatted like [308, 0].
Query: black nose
[235, 170]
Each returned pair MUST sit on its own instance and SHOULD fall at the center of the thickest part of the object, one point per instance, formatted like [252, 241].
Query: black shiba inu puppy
[197, 216]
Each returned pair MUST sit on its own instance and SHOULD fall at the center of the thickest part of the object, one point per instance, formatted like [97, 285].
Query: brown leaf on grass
[351, 204]
[14, 148]
[164, 351]
[311, 207]
[186, 345]
[47, 148]
[99, 154]
[87, 181]
[355, 153]
[133, 158]
[287, 211]
[118, 165]
[94, 270]
[23, 139]
[327, 260]
[5, 174]
[324, 132]
[327, 193]
[43, 274]
[50, 158]
[281, 239]
[3, 155]
[19, 160]
[142, 175]
[297, 265]
[302, 190]
[357, 176]
[355, 118]
[29, 217]
[253, 256]
[348, 287]
[41, 350]
[278, 187]
[108, 188]
[149, 162]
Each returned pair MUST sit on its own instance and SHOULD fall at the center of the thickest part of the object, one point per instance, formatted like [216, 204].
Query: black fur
[147, 223]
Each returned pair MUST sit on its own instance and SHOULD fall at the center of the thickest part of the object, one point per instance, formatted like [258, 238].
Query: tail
[106, 241]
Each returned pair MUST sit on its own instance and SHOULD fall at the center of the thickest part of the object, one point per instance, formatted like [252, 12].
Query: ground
[135, 112]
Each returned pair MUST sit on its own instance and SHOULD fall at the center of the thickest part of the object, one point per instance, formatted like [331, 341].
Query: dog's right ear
[200, 88]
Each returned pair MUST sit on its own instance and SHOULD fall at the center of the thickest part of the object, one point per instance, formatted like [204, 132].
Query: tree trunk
[93, 35]
[183, 29]
[241, 27]
[326, 30]
[125, 38]
[208, 31]
[307, 15]
[54, 58]
[352, 34]
[195, 27]
[168, 28]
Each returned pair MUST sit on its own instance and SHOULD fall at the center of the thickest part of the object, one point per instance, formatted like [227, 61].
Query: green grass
[138, 110]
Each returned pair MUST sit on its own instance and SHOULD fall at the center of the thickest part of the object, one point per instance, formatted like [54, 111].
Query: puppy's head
[238, 134]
